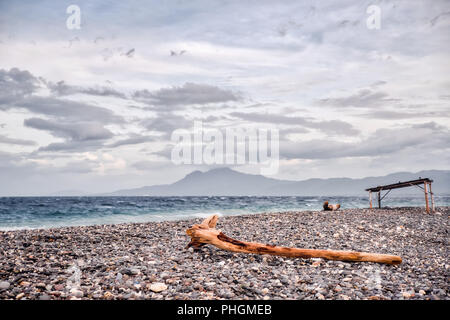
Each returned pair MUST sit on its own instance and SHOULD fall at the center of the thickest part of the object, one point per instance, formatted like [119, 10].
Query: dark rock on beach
[150, 260]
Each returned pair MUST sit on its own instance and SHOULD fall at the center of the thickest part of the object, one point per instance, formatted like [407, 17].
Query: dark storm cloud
[16, 91]
[16, 84]
[189, 93]
[68, 110]
[79, 136]
[327, 126]
[63, 89]
[82, 125]
[80, 131]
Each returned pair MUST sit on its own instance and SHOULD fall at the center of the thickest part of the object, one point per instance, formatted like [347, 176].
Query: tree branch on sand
[206, 233]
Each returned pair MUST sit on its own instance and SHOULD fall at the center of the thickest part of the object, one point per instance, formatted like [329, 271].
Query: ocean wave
[47, 212]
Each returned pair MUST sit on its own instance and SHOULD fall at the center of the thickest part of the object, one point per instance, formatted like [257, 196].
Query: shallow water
[46, 212]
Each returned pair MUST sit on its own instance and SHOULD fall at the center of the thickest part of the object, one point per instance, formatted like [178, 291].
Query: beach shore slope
[150, 261]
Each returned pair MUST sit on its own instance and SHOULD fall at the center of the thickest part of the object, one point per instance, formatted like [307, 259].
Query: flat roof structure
[417, 183]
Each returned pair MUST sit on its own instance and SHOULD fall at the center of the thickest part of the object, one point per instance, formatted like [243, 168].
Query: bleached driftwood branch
[206, 233]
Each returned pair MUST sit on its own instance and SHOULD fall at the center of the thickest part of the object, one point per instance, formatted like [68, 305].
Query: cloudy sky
[93, 109]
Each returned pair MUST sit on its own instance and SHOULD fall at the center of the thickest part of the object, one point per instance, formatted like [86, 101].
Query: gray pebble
[4, 284]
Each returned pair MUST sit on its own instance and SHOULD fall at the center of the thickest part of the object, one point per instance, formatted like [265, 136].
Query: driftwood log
[206, 233]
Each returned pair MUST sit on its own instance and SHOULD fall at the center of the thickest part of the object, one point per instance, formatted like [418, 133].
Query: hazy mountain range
[227, 182]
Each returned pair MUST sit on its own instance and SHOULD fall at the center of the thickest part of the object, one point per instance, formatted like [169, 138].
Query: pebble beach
[150, 260]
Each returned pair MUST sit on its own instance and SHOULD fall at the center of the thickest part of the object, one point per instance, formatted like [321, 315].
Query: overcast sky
[93, 109]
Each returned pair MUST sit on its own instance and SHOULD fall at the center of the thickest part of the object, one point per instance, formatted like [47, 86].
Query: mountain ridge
[228, 182]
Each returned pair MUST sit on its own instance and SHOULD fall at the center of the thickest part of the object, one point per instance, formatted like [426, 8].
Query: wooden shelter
[417, 183]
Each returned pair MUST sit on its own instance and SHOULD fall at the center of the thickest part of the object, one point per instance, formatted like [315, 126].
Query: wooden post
[426, 197]
[433, 208]
[370, 199]
[379, 199]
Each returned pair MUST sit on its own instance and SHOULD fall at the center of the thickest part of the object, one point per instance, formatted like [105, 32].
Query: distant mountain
[351, 187]
[227, 182]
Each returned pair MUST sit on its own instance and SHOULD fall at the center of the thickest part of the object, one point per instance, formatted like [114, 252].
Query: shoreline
[148, 260]
[203, 215]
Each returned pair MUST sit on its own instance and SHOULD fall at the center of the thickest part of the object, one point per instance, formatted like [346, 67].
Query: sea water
[48, 212]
